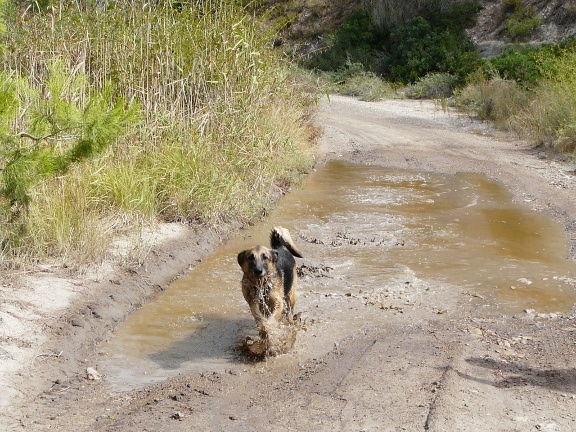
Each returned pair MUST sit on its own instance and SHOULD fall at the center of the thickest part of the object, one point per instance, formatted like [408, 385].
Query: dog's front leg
[259, 318]
[276, 308]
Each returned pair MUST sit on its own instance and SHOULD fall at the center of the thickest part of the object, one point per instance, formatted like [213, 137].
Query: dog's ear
[241, 257]
[274, 255]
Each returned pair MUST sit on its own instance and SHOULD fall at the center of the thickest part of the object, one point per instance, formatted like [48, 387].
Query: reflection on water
[371, 225]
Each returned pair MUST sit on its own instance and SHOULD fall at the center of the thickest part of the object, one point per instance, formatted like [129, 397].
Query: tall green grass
[225, 122]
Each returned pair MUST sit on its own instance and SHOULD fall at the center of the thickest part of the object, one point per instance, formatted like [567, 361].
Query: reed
[224, 120]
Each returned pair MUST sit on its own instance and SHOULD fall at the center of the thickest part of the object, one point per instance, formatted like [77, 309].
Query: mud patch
[280, 339]
[380, 239]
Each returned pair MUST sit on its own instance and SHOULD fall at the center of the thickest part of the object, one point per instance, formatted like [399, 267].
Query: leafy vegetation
[418, 48]
[493, 99]
[353, 80]
[432, 86]
[528, 65]
[357, 41]
[522, 21]
[432, 41]
[536, 101]
[550, 117]
[115, 118]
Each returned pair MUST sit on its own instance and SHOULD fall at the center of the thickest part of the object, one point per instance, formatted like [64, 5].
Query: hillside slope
[558, 23]
[308, 23]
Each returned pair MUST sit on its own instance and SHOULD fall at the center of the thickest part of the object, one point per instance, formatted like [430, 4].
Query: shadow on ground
[217, 340]
[512, 374]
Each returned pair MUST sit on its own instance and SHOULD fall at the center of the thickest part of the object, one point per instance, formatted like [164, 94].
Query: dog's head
[258, 262]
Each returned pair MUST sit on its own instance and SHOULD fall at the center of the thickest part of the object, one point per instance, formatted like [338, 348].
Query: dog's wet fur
[269, 280]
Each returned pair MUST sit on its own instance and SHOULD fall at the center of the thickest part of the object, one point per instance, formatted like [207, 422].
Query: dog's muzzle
[259, 272]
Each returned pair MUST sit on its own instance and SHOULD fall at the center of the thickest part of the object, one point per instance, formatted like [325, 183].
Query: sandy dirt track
[434, 364]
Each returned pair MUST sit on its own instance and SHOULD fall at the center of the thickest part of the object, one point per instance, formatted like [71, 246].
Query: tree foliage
[432, 41]
[419, 47]
[57, 129]
[358, 41]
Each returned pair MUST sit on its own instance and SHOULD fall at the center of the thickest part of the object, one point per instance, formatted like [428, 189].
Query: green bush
[454, 16]
[550, 118]
[519, 64]
[529, 65]
[354, 81]
[57, 131]
[432, 41]
[524, 20]
[356, 41]
[419, 48]
[433, 86]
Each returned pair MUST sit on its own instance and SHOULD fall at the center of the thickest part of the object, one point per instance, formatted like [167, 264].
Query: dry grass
[495, 99]
[545, 115]
[224, 121]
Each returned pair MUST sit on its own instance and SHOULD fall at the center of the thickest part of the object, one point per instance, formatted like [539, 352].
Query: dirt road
[442, 361]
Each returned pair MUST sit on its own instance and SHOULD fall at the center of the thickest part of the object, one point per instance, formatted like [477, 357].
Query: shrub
[520, 20]
[519, 64]
[524, 20]
[496, 99]
[433, 86]
[433, 40]
[356, 41]
[366, 86]
[551, 117]
[545, 120]
[57, 131]
[528, 65]
[418, 48]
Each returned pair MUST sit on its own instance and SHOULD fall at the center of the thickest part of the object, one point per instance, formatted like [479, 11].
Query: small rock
[93, 375]
[177, 415]
[77, 322]
[524, 281]
[548, 427]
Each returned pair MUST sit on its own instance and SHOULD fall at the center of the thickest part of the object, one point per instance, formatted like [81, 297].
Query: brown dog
[269, 282]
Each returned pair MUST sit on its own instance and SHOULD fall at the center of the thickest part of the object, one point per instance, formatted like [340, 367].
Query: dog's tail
[281, 237]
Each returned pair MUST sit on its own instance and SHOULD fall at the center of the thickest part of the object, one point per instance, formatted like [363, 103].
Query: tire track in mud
[400, 395]
[332, 393]
[433, 410]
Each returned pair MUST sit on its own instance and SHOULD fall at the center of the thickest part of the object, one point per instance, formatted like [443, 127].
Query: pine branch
[34, 138]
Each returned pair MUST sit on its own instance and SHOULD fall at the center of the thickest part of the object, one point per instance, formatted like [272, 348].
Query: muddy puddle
[371, 237]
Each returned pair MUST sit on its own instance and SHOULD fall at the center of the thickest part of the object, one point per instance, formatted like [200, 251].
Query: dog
[269, 280]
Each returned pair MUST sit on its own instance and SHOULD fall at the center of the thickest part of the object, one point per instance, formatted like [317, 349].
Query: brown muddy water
[368, 233]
